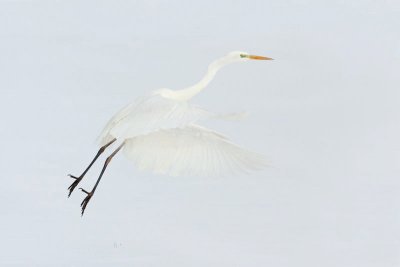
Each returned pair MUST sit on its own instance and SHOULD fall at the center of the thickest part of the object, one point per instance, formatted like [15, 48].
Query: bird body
[160, 133]
[167, 117]
[150, 114]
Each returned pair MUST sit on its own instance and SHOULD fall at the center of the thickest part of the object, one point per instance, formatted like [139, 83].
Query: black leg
[90, 194]
[78, 179]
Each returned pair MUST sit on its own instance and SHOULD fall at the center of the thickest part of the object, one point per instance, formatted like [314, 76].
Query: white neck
[213, 68]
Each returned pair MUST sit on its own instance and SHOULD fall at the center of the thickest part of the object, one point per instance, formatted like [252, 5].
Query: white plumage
[190, 150]
[160, 133]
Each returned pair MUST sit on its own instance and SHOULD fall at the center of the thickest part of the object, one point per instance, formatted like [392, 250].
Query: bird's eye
[243, 55]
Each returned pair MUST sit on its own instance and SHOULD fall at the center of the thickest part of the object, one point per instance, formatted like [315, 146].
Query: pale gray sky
[325, 113]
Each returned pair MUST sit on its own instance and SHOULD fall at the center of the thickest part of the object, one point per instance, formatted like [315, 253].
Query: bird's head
[244, 56]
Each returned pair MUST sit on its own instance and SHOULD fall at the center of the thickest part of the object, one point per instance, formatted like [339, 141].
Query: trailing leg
[79, 178]
[90, 194]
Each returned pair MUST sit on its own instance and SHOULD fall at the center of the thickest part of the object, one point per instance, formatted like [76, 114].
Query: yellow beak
[259, 57]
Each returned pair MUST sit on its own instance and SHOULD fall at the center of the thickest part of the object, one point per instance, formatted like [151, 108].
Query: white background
[325, 113]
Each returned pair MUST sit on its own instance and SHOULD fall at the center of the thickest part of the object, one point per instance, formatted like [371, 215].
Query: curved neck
[213, 68]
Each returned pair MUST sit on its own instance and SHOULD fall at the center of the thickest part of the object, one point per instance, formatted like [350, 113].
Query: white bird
[159, 133]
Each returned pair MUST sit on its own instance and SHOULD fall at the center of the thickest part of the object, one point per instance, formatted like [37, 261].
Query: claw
[73, 177]
[86, 200]
[83, 190]
[74, 184]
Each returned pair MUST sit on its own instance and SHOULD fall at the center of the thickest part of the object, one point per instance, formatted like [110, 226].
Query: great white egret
[159, 133]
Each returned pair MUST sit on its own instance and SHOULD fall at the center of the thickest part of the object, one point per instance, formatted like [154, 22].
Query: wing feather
[151, 114]
[190, 150]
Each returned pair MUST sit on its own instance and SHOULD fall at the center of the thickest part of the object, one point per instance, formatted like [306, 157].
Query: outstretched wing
[151, 114]
[191, 150]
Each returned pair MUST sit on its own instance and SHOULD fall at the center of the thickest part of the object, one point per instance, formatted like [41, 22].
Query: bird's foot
[74, 184]
[86, 200]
